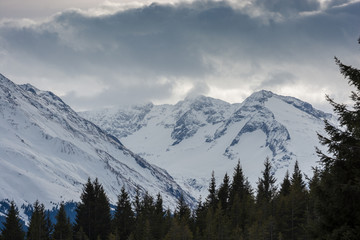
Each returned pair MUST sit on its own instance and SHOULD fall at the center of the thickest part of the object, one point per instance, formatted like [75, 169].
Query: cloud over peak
[155, 52]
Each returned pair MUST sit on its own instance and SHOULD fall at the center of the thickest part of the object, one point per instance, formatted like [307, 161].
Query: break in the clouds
[163, 52]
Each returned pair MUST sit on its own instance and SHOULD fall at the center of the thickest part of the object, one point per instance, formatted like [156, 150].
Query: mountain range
[201, 134]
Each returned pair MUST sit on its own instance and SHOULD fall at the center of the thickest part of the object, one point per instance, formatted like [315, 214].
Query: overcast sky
[95, 53]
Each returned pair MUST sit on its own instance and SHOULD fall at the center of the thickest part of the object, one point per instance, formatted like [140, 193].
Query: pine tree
[283, 209]
[224, 192]
[168, 218]
[102, 211]
[238, 184]
[62, 228]
[339, 188]
[139, 225]
[211, 199]
[298, 203]
[266, 185]
[311, 214]
[124, 216]
[12, 229]
[93, 212]
[145, 210]
[181, 221]
[85, 211]
[159, 227]
[39, 227]
[285, 185]
[241, 204]
[265, 222]
[200, 219]
[297, 178]
[183, 211]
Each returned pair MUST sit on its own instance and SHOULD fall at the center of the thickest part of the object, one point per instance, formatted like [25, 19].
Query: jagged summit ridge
[263, 95]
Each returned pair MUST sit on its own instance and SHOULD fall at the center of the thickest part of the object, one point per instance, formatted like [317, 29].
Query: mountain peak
[258, 98]
[194, 97]
[262, 93]
[46, 145]
[200, 101]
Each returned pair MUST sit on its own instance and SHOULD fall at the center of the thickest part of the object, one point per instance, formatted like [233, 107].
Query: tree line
[230, 211]
[323, 207]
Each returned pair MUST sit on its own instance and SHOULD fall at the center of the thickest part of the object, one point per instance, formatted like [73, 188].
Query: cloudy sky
[96, 53]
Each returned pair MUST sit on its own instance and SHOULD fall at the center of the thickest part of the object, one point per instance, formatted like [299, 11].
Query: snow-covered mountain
[47, 153]
[198, 135]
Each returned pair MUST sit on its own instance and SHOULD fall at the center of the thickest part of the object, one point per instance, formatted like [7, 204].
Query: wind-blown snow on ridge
[201, 134]
[47, 153]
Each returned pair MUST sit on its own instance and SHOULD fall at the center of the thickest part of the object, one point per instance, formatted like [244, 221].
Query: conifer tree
[298, 201]
[292, 207]
[39, 228]
[168, 217]
[145, 209]
[238, 184]
[93, 212]
[159, 226]
[285, 185]
[85, 211]
[211, 200]
[62, 228]
[180, 223]
[265, 222]
[183, 211]
[311, 214]
[266, 185]
[124, 216]
[12, 229]
[241, 204]
[339, 188]
[283, 209]
[200, 219]
[102, 212]
[224, 192]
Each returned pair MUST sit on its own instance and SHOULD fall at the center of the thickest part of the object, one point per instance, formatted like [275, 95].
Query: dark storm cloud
[145, 53]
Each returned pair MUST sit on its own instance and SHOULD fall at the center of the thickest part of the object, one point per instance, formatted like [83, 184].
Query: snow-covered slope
[47, 152]
[198, 135]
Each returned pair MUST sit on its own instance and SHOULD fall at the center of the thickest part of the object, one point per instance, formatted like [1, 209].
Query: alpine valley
[48, 151]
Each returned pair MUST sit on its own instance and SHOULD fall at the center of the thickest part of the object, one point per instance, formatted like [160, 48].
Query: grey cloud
[277, 79]
[131, 50]
[288, 7]
[200, 88]
[121, 95]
